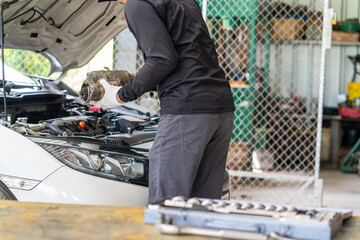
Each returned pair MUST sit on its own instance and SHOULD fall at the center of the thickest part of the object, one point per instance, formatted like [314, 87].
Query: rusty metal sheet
[39, 221]
[350, 230]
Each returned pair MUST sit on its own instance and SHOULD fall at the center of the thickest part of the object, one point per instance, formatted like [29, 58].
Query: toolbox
[255, 220]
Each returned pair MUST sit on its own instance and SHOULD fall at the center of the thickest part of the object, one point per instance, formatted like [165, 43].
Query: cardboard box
[238, 158]
[242, 42]
[313, 32]
[242, 45]
[339, 36]
[287, 28]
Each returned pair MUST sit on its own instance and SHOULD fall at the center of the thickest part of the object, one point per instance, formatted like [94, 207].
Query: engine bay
[89, 122]
[112, 144]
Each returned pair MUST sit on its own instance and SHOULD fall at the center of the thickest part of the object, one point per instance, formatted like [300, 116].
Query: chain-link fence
[27, 62]
[35, 64]
[270, 51]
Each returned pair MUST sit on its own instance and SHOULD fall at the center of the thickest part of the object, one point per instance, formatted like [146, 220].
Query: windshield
[16, 77]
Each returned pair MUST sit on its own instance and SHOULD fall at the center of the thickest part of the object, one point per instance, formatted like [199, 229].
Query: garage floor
[341, 190]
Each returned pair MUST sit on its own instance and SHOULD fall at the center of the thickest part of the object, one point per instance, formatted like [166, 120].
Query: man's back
[196, 84]
[189, 153]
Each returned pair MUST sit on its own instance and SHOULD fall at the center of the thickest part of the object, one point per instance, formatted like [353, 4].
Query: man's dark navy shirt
[180, 58]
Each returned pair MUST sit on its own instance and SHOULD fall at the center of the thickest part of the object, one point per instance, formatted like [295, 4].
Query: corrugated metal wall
[339, 69]
[290, 57]
[290, 60]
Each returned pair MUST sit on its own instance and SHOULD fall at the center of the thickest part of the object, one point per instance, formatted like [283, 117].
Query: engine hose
[38, 127]
[31, 132]
[55, 129]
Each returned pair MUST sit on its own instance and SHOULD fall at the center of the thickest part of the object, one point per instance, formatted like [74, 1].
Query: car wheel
[5, 193]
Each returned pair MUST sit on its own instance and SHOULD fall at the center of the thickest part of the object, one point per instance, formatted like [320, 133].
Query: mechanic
[197, 110]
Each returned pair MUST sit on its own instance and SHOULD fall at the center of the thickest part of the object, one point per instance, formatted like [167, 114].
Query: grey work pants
[189, 155]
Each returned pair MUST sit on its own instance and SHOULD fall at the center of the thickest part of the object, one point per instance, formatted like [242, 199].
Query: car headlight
[99, 162]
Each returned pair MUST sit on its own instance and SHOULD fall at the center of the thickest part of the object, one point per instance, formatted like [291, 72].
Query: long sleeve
[154, 41]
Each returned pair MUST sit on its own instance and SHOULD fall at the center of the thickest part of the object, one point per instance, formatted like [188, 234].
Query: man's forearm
[150, 75]
[155, 42]
[118, 99]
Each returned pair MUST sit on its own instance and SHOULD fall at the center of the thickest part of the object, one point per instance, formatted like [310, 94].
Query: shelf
[310, 42]
[293, 42]
[345, 43]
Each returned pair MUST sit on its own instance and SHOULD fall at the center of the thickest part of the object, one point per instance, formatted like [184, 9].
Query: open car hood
[67, 32]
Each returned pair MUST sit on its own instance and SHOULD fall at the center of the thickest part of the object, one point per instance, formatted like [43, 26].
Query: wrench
[225, 234]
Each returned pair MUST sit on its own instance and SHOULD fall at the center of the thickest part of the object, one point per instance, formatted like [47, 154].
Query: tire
[5, 193]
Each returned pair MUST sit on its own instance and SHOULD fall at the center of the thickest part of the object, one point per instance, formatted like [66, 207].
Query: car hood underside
[69, 33]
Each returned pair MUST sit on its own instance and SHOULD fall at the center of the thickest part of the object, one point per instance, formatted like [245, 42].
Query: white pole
[204, 10]
[325, 38]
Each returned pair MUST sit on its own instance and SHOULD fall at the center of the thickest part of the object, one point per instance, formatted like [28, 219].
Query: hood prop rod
[4, 5]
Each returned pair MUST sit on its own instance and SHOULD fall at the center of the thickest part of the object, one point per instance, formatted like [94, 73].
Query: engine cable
[34, 11]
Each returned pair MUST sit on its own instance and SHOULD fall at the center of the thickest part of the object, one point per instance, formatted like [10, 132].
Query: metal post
[324, 44]
[267, 57]
[321, 89]
[318, 192]
[252, 54]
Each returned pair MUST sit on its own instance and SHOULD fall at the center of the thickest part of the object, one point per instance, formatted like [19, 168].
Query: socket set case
[266, 219]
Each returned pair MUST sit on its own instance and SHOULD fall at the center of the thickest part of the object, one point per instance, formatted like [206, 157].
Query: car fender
[69, 186]
[20, 157]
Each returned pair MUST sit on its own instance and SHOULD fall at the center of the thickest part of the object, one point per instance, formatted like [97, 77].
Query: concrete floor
[341, 190]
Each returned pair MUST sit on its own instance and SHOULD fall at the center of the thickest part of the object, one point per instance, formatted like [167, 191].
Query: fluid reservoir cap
[82, 125]
[95, 109]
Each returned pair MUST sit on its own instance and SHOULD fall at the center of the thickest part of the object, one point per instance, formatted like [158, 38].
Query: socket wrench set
[244, 220]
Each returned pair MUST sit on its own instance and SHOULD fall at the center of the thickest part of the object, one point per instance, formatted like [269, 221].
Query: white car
[58, 149]
[58, 170]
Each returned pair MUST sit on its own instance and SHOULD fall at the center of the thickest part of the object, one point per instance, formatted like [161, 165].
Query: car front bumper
[69, 186]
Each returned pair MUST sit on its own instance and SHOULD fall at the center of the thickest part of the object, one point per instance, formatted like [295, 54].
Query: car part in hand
[92, 89]
[110, 99]
[270, 221]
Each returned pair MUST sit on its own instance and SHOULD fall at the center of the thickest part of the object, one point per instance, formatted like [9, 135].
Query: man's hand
[110, 98]
[132, 75]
